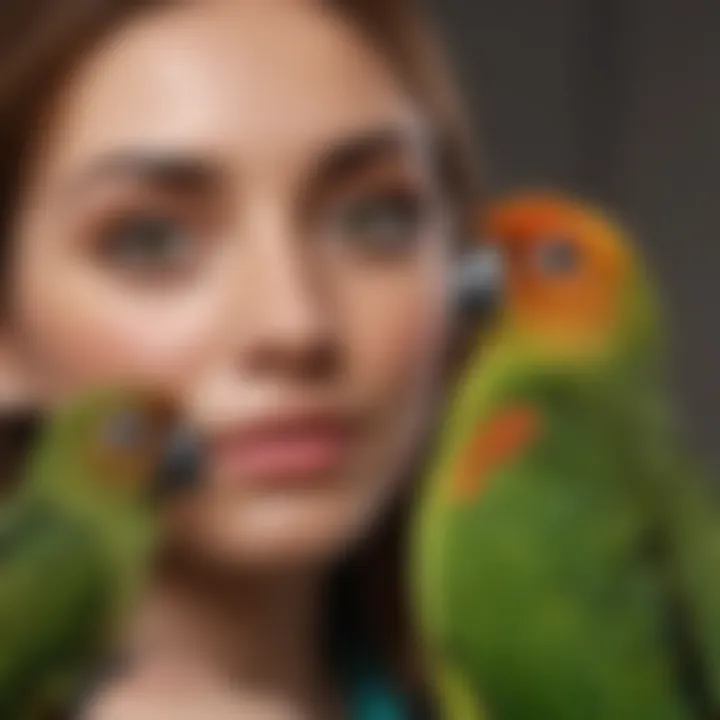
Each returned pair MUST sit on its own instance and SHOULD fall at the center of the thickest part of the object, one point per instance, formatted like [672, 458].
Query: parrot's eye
[557, 257]
[126, 430]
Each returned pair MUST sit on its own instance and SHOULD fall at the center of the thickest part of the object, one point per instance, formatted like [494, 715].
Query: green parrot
[76, 538]
[565, 550]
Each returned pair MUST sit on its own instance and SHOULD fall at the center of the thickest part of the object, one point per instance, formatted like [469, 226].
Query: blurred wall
[618, 99]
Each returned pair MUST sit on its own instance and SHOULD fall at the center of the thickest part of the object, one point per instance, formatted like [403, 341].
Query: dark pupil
[143, 241]
[558, 257]
[381, 222]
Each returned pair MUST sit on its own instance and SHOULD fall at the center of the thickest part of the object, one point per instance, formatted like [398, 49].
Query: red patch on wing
[504, 436]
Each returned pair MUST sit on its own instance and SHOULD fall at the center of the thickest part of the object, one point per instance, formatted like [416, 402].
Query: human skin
[238, 201]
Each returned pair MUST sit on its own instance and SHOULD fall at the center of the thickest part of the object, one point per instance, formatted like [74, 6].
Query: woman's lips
[284, 452]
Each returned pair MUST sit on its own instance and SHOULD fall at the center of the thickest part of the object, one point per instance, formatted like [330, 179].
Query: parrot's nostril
[181, 464]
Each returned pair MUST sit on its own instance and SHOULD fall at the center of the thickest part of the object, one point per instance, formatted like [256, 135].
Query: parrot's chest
[544, 587]
[529, 551]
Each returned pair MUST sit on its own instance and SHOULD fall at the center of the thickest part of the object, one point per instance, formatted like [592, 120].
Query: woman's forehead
[265, 83]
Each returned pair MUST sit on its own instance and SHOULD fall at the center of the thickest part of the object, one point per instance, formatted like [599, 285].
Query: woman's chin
[273, 530]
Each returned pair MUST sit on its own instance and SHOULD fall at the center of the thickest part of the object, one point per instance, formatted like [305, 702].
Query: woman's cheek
[84, 333]
[396, 337]
[399, 330]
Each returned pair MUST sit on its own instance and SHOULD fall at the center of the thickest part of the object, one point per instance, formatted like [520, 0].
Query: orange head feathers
[567, 268]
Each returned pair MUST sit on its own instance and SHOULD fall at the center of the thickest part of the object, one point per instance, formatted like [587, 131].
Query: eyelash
[384, 223]
[120, 243]
[402, 212]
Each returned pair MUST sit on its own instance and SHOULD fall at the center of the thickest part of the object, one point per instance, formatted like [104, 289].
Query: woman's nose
[287, 322]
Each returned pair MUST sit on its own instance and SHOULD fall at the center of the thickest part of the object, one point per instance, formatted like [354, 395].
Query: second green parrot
[76, 539]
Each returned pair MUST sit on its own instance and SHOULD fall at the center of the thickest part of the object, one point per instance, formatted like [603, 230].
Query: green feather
[579, 583]
[74, 545]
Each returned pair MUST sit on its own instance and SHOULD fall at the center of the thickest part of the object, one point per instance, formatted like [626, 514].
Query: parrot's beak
[181, 465]
[478, 282]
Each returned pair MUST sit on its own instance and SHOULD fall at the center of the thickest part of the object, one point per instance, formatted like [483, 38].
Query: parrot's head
[574, 285]
[125, 443]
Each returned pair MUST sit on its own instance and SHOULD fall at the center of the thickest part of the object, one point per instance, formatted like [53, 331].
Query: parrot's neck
[509, 356]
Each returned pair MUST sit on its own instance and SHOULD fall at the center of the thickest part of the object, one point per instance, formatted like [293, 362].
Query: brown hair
[40, 41]
[402, 31]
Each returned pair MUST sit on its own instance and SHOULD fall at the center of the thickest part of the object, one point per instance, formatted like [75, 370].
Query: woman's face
[236, 201]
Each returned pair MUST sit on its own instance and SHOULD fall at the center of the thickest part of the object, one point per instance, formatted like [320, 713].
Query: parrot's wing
[690, 549]
[684, 534]
[52, 601]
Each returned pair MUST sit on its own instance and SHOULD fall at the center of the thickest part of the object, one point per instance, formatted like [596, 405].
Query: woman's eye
[153, 244]
[380, 224]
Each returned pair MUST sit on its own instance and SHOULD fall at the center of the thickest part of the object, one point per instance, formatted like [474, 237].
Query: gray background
[618, 99]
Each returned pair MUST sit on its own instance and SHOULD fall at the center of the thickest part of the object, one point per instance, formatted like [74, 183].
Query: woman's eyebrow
[169, 172]
[351, 155]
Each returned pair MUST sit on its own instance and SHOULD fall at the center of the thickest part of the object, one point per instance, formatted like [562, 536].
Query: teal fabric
[368, 685]
[371, 694]
[373, 699]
